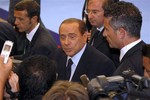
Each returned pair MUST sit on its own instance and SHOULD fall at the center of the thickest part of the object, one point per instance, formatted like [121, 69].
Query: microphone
[84, 79]
[105, 87]
[115, 79]
[137, 86]
[135, 94]
[131, 75]
[111, 85]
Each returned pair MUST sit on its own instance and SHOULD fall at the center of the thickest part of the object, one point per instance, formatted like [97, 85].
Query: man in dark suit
[38, 40]
[122, 22]
[95, 13]
[85, 58]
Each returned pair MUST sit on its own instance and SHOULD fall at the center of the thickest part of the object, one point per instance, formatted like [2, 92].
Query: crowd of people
[106, 42]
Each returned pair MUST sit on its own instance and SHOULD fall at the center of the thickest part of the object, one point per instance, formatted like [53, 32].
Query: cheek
[101, 19]
[114, 37]
[113, 41]
[111, 36]
[78, 45]
[149, 61]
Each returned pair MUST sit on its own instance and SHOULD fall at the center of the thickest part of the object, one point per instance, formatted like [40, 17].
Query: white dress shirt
[31, 34]
[75, 59]
[124, 50]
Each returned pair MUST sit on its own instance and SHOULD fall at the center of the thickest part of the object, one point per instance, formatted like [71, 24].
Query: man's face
[22, 21]
[95, 12]
[112, 36]
[72, 41]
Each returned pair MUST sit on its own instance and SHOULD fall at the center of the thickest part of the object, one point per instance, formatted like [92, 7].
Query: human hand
[14, 82]
[5, 69]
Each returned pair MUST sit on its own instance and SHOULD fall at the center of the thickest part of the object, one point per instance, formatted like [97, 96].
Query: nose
[66, 41]
[90, 15]
[16, 21]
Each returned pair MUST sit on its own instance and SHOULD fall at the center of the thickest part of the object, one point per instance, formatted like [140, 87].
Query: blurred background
[53, 12]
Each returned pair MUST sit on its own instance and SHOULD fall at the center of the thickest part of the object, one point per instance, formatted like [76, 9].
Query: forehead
[69, 28]
[20, 13]
[95, 3]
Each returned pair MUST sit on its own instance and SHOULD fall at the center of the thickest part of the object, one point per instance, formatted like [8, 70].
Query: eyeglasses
[93, 12]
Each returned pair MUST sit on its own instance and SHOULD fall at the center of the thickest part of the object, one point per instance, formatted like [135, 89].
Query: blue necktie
[68, 69]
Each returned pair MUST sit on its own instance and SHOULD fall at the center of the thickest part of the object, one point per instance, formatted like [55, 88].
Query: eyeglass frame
[93, 12]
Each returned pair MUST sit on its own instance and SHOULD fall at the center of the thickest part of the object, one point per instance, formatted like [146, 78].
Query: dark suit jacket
[92, 63]
[132, 60]
[42, 43]
[85, 16]
[8, 33]
[101, 44]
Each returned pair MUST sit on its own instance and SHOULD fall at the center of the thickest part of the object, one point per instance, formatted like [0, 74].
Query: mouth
[91, 21]
[67, 49]
[18, 27]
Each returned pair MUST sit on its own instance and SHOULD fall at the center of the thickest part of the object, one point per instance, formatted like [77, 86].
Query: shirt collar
[124, 50]
[31, 34]
[100, 29]
[77, 57]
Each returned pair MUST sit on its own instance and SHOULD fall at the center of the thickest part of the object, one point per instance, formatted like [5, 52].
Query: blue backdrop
[53, 12]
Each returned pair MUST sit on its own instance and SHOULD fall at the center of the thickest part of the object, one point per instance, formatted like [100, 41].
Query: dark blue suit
[92, 63]
[42, 43]
[101, 44]
[132, 60]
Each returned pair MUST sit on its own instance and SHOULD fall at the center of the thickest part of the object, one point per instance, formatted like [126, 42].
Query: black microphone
[105, 87]
[132, 76]
[137, 86]
[135, 94]
[84, 79]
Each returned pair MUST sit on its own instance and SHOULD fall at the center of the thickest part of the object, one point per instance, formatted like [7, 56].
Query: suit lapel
[62, 65]
[36, 35]
[133, 49]
[97, 38]
[81, 67]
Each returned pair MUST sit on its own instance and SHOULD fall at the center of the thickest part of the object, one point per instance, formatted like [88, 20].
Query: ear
[121, 33]
[85, 36]
[34, 19]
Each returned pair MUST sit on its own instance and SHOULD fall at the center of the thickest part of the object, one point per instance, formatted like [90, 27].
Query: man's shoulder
[135, 51]
[43, 30]
[95, 55]
[93, 51]
[44, 35]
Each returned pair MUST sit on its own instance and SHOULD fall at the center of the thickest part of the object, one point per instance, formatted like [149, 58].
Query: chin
[110, 46]
[21, 31]
[69, 54]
